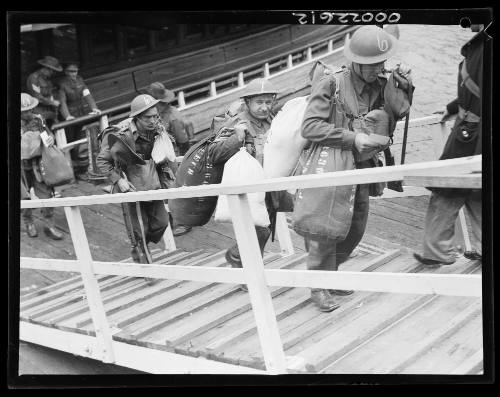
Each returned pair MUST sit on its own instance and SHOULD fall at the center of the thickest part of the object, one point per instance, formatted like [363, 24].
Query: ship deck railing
[207, 90]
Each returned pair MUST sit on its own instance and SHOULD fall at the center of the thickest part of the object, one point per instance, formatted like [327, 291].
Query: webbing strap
[468, 82]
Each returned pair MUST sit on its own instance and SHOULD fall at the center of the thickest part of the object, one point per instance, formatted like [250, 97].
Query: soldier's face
[71, 73]
[147, 120]
[260, 106]
[369, 73]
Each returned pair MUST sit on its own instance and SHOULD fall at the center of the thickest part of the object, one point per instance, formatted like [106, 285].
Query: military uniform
[143, 177]
[31, 176]
[341, 133]
[464, 140]
[76, 100]
[175, 123]
[41, 88]
[226, 145]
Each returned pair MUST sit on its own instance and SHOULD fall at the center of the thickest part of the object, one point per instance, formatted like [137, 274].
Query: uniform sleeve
[34, 90]
[452, 107]
[88, 96]
[105, 161]
[316, 126]
[64, 105]
[224, 146]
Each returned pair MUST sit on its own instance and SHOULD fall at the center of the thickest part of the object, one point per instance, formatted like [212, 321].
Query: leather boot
[31, 230]
[235, 262]
[180, 230]
[52, 233]
[323, 300]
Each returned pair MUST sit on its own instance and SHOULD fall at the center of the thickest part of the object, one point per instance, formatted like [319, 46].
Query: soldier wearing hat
[32, 124]
[172, 119]
[40, 86]
[248, 127]
[76, 101]
[125, 157]
[334, 117]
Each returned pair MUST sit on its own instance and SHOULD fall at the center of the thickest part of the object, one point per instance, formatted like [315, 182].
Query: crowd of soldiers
[126, 150]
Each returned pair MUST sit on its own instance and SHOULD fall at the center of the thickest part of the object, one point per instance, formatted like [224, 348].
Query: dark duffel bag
[196, 169]
[325, 213]
[56, 170]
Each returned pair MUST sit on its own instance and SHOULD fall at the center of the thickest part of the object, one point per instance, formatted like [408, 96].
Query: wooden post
[309, 54]
[260, 297]
[91, 286]
[241, 81]
[103, 122]
[180, 99]
[168, 236]
[213, 89]
[289, 61]
[266, 70]
[283, 233]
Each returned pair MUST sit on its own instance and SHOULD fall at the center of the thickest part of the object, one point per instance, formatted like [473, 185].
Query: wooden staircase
[371, 332]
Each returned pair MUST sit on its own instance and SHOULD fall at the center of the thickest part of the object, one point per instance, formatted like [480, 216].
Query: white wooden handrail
[459, 169]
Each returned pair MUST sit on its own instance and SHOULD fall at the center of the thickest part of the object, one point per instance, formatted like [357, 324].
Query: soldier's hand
[240, 130]
[70, 117]
[363, 144]
[446, 116]
[56, 103]
[123, 185]
[95, 111]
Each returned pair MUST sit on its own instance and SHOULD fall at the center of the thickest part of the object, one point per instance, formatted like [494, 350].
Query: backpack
[197, 169]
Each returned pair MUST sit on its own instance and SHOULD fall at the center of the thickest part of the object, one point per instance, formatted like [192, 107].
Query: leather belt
[467, 115]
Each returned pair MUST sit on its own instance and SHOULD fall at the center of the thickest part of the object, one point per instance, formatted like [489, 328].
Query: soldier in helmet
[32, 124]
[332, 118]
[249, 127]
[40, 86]
[125, 157]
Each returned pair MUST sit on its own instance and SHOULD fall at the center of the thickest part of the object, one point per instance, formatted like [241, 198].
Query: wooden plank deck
[370, 332]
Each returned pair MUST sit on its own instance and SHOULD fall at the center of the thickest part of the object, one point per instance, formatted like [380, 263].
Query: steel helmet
[27, 102]
[370, 44]
[259, 86]
[141, 103]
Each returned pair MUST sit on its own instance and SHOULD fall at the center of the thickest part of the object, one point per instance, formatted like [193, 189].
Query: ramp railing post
[94, 299]
[260, 297]
[283, 233]
[168, 236]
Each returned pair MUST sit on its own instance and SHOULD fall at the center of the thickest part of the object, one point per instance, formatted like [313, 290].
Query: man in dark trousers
[125, 157]
[464, 140]
[333, 118]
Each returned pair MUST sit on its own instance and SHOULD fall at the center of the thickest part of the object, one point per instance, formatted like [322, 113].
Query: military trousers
[440, 218]
[328, 255]
[263, 234]
[154, 218]
[42, 191]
